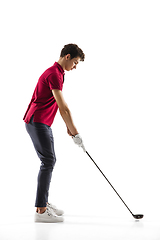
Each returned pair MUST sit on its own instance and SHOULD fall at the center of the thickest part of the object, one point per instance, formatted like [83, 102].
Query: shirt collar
[59, 67]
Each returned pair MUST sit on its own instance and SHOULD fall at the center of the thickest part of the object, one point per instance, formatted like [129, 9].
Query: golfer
[46, 100]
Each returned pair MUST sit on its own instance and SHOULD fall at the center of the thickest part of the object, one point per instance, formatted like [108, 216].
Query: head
[70, 56]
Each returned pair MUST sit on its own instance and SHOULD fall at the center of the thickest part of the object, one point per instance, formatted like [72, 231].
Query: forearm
[66, 115]
[65, 112]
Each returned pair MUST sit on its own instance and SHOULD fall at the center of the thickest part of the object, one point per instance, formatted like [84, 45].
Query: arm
[65, 112]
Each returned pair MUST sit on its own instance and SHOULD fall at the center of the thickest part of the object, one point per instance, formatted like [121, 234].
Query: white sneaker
[48, 217]
[55, 209]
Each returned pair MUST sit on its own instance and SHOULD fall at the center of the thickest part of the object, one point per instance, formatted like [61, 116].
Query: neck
[61, 62]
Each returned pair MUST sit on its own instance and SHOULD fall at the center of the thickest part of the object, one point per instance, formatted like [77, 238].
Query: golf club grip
[109, 182]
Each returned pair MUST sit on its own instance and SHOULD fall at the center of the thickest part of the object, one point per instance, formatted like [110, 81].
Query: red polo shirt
[43, 104]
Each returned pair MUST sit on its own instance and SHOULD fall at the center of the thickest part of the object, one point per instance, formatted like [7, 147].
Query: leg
[42, 139]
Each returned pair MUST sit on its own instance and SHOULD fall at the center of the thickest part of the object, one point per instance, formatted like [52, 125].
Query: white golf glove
[78, 140]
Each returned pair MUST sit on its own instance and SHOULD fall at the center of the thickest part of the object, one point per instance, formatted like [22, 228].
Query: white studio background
[113, 96]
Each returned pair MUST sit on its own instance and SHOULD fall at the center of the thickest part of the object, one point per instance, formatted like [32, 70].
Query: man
[46, 100]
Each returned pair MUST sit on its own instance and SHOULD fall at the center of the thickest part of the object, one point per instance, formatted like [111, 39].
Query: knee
[53, 160]
[48, 163]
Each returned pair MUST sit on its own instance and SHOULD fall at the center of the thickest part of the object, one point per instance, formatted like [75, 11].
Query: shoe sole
[56, 220]
[46, 221]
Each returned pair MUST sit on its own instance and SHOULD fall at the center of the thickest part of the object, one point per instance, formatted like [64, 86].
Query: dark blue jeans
[43, 141]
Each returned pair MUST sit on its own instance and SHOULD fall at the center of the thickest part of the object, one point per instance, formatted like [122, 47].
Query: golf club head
[138, 216]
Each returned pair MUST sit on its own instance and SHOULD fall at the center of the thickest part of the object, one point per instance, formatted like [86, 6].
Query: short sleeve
[55, 81]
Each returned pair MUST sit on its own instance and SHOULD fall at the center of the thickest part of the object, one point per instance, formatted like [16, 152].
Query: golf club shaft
[108, 182]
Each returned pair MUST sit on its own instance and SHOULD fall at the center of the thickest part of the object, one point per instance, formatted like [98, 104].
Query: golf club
[136, 216]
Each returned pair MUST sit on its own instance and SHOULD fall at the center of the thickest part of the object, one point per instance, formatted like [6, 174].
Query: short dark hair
[73, 50]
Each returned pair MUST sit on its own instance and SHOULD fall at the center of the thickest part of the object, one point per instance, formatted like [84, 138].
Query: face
[71, 64]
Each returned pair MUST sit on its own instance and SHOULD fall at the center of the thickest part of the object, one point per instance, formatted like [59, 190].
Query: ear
[67, 57]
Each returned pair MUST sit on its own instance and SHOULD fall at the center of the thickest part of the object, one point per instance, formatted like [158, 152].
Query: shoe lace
[50, 213]
[52, 206]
